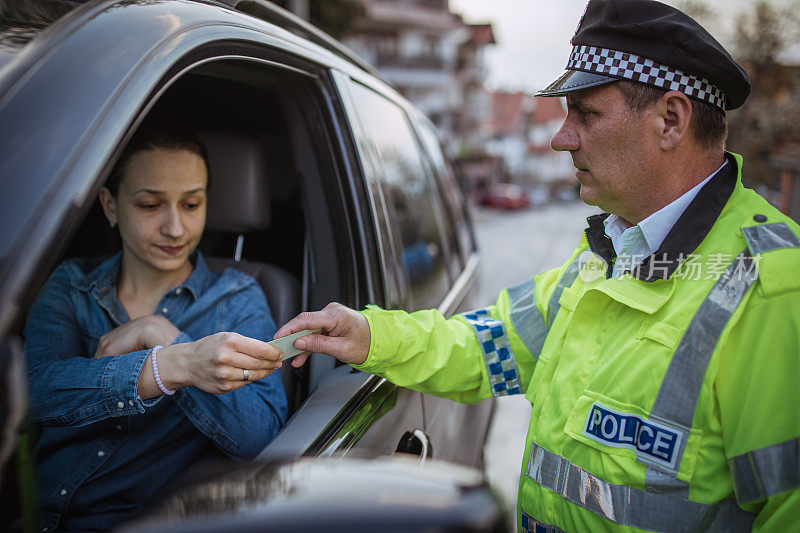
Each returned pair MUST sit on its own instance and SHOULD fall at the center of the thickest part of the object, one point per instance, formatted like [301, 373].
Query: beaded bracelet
[155, 371]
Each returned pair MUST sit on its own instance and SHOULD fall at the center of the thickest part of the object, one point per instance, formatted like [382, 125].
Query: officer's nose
[565, 139]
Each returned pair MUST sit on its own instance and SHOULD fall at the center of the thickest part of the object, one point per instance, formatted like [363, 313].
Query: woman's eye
[192, 206]
[148, 207]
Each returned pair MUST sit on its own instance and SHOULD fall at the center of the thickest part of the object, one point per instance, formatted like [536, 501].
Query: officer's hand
[346, 334]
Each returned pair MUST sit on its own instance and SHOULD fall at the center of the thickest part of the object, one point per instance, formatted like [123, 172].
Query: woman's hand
[214, 364]
[140, 334]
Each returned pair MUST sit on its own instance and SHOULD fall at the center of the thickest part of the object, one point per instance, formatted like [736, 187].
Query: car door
[448, 421]
[430, 265]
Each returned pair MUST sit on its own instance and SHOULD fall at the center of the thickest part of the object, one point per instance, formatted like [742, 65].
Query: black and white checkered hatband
[632, 67]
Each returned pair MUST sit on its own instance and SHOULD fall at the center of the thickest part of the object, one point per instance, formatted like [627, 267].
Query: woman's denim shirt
[104, 452]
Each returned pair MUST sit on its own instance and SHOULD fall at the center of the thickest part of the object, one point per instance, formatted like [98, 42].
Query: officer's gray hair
[708, 123]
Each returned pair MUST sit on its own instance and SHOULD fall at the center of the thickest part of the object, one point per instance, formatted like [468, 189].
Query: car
[566, 193]
[538, 196]
[325, 185]
[507, 196]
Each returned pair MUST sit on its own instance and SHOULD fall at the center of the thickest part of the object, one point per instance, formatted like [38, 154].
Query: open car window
[275, 208]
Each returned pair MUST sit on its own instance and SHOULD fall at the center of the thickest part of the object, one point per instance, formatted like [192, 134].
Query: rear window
[454, 199]
[409, 197]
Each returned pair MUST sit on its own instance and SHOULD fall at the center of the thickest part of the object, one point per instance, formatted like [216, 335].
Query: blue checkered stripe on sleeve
[501, 366]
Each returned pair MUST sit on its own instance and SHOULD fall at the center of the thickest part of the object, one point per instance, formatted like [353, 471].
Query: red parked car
[507, 196]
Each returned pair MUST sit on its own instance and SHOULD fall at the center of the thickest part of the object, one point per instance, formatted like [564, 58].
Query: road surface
[514, 246]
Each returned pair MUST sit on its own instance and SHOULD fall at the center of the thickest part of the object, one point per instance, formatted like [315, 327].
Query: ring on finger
[246, 376]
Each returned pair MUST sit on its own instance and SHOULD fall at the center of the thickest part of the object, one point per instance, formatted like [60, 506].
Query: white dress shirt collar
[634, 243]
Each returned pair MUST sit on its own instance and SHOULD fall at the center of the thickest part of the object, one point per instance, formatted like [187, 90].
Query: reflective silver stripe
[680, 389]
[501, 365]
[566, 280]
[662, 483]
[526, 318]
[728, 517]
[767, 237]
[761, 473]
[531, 525]
[629, 506]
[677, 397]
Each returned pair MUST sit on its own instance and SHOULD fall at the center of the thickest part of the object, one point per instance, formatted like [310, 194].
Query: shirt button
[101, 453]
[130, 402]
[178, 291]
[63, 492]
[119, 427]
[120, 405]
[164, 310]
[760, 218]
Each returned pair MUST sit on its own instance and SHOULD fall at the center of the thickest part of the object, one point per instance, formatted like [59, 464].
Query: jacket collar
[101, 282]
[684, 237]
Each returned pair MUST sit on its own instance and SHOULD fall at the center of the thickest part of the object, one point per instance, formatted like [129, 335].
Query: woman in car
[129, 378]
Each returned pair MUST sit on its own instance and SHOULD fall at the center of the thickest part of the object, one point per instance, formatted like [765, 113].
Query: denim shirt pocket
[89, 340]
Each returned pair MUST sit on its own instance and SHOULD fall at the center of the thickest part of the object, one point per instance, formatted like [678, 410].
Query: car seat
[239, 203]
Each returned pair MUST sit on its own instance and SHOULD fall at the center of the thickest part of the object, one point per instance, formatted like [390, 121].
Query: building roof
[512, 112]
[509, 112]
[481, 34]
[547, 109]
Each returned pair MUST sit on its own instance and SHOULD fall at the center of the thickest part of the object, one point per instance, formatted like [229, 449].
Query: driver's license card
[286, 344]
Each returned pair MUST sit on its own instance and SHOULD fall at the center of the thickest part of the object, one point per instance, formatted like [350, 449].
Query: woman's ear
[109, 204]
[675, 113]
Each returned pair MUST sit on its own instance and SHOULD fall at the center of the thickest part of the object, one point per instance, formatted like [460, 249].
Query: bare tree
[764, 36]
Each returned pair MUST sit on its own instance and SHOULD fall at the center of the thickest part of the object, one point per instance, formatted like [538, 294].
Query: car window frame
[111, 147]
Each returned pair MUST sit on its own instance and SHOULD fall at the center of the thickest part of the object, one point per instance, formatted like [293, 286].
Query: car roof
[23, 21]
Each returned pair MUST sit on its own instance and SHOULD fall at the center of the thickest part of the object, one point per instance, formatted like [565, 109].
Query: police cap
[651, 43]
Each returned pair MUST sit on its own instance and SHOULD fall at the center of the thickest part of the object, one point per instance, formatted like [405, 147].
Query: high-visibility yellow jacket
[665, 399]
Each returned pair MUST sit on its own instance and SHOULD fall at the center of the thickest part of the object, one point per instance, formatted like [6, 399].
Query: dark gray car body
[73, 92]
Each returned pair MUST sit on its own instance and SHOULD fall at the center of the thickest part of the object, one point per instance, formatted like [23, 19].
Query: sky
[533, 35]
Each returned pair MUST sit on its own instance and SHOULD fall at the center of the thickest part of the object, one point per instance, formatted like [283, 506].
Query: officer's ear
[674, 115]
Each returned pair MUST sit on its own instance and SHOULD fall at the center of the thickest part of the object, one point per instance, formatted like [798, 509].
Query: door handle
[416, 443]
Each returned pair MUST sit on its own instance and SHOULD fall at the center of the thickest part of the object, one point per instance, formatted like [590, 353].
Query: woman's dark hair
[167, 133]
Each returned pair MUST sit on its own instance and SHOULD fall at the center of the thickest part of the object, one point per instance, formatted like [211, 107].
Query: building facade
[520, 129]
[433, 58]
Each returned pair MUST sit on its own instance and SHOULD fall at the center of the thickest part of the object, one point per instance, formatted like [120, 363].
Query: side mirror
[306, 494]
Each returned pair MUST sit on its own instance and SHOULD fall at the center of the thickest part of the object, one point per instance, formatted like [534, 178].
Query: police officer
[661, 358]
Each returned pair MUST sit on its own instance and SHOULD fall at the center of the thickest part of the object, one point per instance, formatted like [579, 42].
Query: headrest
[238, 192]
